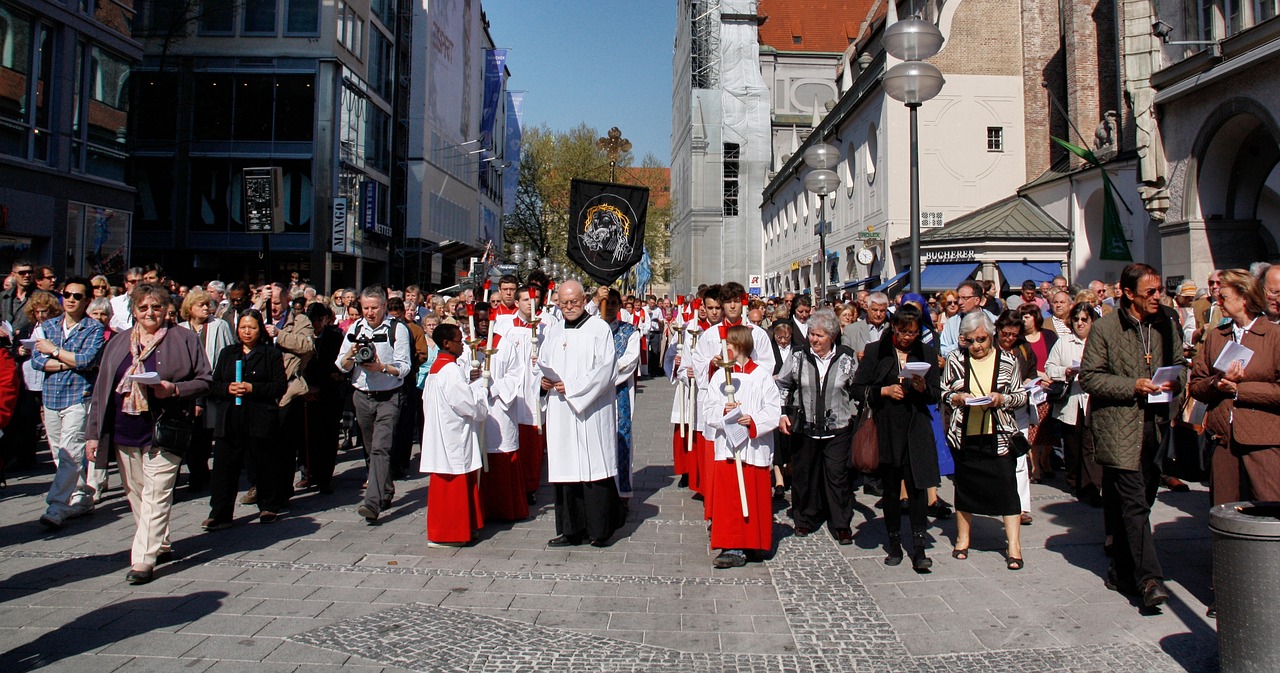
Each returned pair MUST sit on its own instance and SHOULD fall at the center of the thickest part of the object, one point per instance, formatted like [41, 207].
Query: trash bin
[1246, 582]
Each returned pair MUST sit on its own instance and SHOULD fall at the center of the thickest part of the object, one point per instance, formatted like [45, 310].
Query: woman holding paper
[148, 372]
[898, 377]
[1084, 475]
[1243, 397]
[984, 385]
[248, 383]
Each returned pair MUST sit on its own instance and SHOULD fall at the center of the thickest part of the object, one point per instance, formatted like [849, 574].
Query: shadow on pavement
[108, 625]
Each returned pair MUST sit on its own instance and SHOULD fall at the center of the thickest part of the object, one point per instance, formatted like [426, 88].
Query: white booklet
[978, 401]
[915, 369]
[146, 378]
[1162, 376]
[549, 372]
[737, 435]
[1232, 352]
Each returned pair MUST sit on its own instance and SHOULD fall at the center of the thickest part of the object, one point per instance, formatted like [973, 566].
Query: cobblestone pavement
[322, 591]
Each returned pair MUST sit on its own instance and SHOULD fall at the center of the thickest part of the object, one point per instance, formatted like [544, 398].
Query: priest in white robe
[579, 366]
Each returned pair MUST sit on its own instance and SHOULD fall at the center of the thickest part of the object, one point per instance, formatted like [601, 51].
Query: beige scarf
[135, 397]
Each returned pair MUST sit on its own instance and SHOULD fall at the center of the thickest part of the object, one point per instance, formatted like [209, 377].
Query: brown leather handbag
[866, 441]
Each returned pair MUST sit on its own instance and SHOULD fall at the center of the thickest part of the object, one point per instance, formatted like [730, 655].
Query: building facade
[65, 111]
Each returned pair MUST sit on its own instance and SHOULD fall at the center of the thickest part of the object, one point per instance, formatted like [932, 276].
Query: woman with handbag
[983, 385]
[900, 401]
[143, 406]
[1071, 404]
[247, 386]
[822, 378]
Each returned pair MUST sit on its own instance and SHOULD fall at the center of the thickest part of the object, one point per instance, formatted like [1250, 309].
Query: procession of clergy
[554, 373]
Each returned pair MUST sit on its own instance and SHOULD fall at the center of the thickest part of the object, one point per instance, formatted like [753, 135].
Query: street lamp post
[913, 82]
[821, 180]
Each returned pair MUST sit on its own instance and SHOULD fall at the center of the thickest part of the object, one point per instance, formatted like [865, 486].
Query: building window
[255, 107]
[930, 220]
[260, 17]
[350, 28]
[732, 157]
[217, 17]
[995, 139]
[302, 17]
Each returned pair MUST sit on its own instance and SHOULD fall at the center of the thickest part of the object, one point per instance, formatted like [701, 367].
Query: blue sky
[603, 62]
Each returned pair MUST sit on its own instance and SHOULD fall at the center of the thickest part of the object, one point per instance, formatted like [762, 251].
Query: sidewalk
[322, 591]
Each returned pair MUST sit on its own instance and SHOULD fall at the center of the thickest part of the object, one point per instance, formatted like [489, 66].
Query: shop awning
[860, 282]
[1015, 273]
[893, 281]
[946, 275]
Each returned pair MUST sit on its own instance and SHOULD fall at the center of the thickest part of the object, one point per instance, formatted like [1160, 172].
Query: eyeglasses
[1153, 292]
[1082, 319]
[979, 340]
[952, 302]
[966, 297]
[23, 272]
[49, 278]
[906, 335]
[1273, 294]
[148, 308]
[132, 281]
[572, 302]
[78, 296]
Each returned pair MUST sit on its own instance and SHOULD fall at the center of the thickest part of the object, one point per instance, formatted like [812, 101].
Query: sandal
[960, 554]
[1013, 563]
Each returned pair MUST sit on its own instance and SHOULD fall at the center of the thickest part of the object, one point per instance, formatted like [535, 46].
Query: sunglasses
[23, 272]
[78, 296]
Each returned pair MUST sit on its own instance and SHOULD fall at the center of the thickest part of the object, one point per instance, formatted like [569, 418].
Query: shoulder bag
[866, 440]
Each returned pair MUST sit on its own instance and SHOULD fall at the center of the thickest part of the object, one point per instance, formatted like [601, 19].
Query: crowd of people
[1121, 387]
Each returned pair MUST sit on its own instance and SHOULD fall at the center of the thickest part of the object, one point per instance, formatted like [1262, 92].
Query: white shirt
[397, 357]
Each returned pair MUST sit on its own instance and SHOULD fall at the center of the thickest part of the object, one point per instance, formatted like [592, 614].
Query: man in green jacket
[1129, 413]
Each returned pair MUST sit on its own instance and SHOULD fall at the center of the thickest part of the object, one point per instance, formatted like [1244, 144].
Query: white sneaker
[51, 520]
[81, 508]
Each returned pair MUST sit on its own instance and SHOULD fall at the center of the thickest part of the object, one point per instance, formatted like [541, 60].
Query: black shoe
[729, 560]
[1113, 583]
[803, 531]
[894, 549]
[940, 509]
[684, 481]
[1154, 593]
[600, 543]
[1091, 498]
[779, 493]
[872, 489]
[370, 514]
[919, 562]
[564, 541]
[386, 503]
[844, 536]
[1212, 612]
[136, 577]
[532, 498]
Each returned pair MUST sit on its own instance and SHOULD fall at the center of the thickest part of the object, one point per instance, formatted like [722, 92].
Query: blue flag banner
[644, 273]
[495, 62]
[511, 153]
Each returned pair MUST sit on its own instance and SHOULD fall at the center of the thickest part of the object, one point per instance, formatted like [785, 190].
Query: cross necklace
[1146, 342]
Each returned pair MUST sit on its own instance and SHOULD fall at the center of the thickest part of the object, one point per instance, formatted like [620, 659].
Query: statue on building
[1104, 137]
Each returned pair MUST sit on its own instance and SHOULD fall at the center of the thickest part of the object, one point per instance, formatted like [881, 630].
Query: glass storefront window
[108, 115]
[217, 201]
[216, 93]
[15, 70]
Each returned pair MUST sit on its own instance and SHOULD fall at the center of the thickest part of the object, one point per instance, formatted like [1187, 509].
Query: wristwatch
[55, 353]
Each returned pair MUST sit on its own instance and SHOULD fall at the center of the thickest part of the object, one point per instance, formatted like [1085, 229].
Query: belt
[379, 395]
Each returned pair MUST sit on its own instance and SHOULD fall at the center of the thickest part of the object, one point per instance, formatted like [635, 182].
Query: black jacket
[905, 426]
[264, 368]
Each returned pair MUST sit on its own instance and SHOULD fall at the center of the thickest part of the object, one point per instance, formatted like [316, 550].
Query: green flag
[1114, 245]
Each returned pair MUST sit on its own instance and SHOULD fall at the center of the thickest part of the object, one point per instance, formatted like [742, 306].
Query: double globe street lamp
[526, 262]
[821, 180]
[913, 82]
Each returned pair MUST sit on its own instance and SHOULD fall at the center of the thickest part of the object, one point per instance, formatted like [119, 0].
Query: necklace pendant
[1148, 357]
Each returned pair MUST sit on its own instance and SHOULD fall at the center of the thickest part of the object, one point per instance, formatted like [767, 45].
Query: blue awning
[1015, 273]
[892, 281]
[945, 276]
[864, 281]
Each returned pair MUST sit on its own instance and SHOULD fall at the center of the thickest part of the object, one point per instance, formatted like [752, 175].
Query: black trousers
[270, 462]
[197, 456]
[409, 422]
[588, 509]
[323, 419]
[891, 477]
[1127, 496]
[820, 488]
[1083, 472]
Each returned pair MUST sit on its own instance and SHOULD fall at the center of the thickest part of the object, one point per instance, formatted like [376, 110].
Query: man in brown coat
[294, 336]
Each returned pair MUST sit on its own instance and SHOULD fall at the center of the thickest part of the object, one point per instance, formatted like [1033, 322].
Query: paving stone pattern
[322, 591]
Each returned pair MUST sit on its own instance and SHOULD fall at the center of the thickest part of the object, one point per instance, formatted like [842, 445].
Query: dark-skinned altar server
[453, 407]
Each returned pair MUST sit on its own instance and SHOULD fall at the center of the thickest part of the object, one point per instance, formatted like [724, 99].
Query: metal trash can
[1246, 582]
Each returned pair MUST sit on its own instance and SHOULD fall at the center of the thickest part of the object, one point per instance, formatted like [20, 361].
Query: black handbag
[172, 433]
[1019, 445]
[1058, 391]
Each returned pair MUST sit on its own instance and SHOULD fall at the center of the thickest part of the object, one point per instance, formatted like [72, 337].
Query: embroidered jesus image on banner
[606, 227]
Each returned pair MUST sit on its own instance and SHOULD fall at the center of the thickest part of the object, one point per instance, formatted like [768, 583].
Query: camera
[365, 352]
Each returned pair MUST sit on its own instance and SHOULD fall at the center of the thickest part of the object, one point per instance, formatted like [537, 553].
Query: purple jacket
[180, 358]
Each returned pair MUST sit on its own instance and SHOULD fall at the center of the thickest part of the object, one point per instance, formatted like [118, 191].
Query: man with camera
[378, 355]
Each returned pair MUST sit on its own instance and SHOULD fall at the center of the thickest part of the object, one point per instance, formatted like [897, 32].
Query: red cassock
[453, 507]
[693, 460]
[729, 529]
[503, 493]
[533, 445]
[708, 469]
[677, 450]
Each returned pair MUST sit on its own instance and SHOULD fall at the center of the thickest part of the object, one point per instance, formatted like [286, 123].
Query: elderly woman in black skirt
[979, 434]
[908, 453]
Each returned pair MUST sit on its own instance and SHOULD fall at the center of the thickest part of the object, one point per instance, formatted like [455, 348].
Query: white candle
[724, 351]
[471, 324]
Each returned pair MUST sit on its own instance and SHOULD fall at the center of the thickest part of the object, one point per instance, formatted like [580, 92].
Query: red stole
[442, 359]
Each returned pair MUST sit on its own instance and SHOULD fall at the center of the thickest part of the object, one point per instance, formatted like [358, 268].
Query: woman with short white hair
[980, 434]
